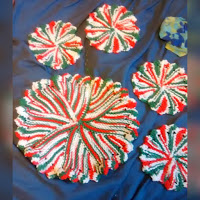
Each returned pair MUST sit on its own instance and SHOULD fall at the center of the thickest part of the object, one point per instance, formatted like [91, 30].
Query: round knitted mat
[164, 156]
[55, 44]
[76, 127]
[112, 29]
[161, 85]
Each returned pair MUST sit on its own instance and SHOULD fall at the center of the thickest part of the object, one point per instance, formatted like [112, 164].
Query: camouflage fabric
[174, 31]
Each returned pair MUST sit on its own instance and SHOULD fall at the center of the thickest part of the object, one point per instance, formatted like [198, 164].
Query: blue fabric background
[127, 182]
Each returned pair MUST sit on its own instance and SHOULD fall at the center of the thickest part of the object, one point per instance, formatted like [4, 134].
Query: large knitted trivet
[112, 29]
[55, 44]
[162, 85]
[164, 156]
[76, 127]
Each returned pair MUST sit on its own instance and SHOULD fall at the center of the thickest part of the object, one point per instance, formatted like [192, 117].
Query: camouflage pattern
[174, 31]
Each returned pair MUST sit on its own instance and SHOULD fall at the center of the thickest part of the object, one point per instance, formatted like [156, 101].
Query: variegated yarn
[112, 29]
[76, 127]
[161, 85]
[55, 44]
[164, 156]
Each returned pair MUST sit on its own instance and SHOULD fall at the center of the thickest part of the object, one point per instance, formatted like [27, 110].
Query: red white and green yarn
[161, 85]
[112, 29]
[55, 44]
[164, 156]
[76, 127]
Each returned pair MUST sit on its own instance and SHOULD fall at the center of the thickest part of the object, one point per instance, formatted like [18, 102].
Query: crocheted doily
[76, 127]
[164, 156]
[55, 44]
[162, 85]
[112, 29]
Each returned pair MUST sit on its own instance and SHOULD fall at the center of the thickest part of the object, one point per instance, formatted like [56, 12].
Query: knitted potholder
[55, 44]
[162, 85]
[76, 127]
[174, 31]
[112, 29]
[164, 156]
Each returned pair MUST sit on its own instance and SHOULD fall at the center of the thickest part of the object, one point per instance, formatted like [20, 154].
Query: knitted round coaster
[112, 29]
[76, 128]
[162, 85]
[164, 156]
[55, 44]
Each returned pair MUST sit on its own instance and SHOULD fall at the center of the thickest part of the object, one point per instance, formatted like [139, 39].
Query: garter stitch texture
[164, 156]
[55, 44]
[162, 85]
[112, 29]
[76, 127]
